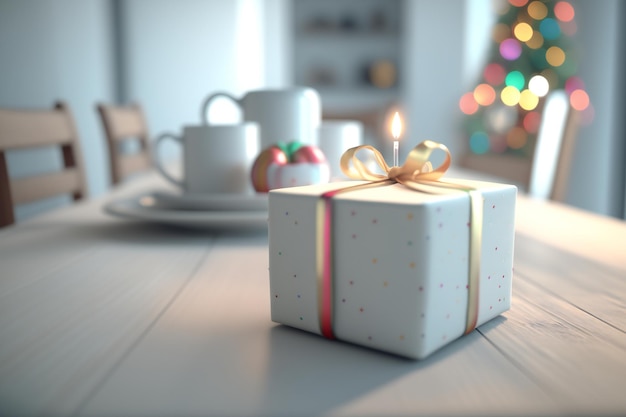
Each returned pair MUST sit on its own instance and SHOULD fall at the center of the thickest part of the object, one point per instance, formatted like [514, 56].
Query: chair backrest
[554, 151]
[21, 129]
[122, 124]
[545, 175]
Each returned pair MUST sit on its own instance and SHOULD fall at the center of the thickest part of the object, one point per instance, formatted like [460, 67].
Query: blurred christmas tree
[531, 55]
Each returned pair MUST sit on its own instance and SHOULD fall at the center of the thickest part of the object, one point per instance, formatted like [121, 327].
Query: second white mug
[216, 159]
[334, 138]
[283, 115]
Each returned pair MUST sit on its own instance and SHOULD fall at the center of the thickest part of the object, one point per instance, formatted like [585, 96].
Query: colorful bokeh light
[550, 29]
[518, 3]
[536, 41]
[484, 94]
[538, 84]
[515, 79]
[564, 11]
[555, 56]
[479, 142]
[510, 49]
[532, 121]
[537, 10]
[516, 138]
[523, 31]
[528, 101]
[579, 100]
[510, 96]
[494, 74]
[467, 104]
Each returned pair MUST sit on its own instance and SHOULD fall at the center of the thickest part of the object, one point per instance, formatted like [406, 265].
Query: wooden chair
[39, 128]
[123, 124]
[546, 174]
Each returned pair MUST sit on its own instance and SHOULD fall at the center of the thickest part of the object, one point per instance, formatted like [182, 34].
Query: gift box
[389, 267]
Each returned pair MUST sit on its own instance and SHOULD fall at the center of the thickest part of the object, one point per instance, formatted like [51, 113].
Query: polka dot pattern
[401, 270]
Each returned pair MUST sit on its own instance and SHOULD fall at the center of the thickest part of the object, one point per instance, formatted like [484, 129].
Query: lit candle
[396, 130]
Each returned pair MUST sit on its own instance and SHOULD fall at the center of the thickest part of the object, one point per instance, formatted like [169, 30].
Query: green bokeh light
[515, 79]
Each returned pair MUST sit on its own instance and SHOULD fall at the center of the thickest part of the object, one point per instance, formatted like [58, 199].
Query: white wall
[176, 53]
[57, 50]
[434, 71]
[278, 43]
[592, 179]
[478, 25]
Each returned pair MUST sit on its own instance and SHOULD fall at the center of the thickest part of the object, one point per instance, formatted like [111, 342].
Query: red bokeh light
[579, 100]
[518, 3]
[531, 122]
[494, 74]
[564, 11]
[484, 94]
[467, 104]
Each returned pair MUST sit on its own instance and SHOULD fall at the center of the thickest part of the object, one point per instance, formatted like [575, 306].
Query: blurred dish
[144, 208]
[210, 202]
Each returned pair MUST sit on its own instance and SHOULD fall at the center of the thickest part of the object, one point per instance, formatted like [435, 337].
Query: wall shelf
[349, 51]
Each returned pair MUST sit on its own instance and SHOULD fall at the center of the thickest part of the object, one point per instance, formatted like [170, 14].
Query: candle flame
[396, 126]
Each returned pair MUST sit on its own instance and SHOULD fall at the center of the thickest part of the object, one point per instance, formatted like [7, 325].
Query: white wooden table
[105, 317]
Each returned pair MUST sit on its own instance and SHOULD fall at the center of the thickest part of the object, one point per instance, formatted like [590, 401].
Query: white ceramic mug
[334, 138]
[284, 115]
[216, 159]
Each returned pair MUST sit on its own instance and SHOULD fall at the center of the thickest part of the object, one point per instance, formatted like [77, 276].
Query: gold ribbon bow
[416, 168]
[418, 173]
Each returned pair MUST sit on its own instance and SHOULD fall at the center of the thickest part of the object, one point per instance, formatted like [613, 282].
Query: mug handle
[204, 111]
[158, 163]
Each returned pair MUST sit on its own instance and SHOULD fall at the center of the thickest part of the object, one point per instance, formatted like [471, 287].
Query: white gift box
[400, 281]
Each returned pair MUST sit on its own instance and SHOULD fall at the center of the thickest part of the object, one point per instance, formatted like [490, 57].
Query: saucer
[143, 208]
[210, 202]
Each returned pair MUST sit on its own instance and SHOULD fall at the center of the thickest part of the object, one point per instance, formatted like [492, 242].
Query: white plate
[142, 208]
[210, 202]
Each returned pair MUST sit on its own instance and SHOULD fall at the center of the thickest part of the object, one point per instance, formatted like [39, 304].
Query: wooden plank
[125, 122]
[29, 189]
[585, 234]
[133, 163]
[579, 360]
[591, 286]
[77, 314]
[23, 129]
[215, 352]
[32, 128]
[122, 123]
